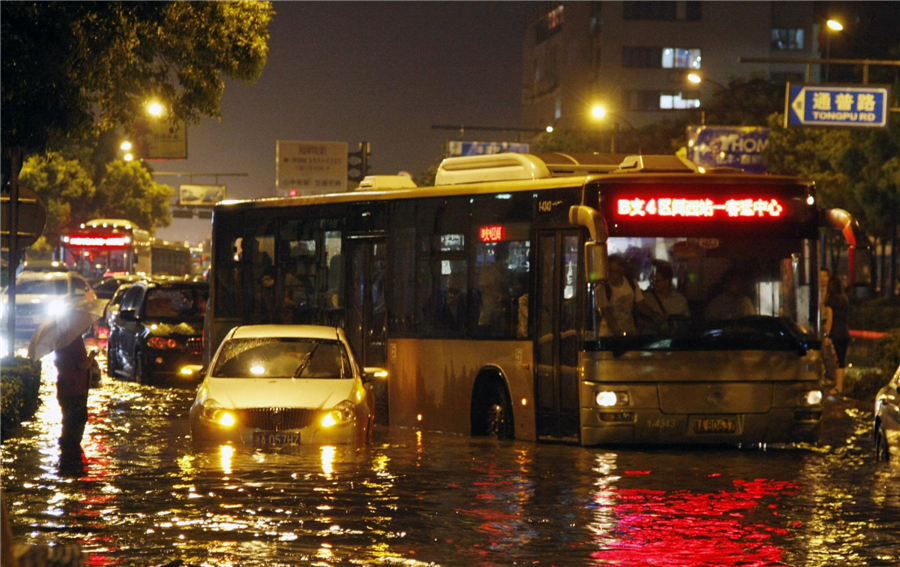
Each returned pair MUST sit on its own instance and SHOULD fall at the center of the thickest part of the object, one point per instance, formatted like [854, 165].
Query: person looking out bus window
[623, 297]
[838, 329]
[731, 303]
[663, 300]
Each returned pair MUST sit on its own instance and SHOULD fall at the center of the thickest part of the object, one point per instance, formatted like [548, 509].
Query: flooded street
[146, 497]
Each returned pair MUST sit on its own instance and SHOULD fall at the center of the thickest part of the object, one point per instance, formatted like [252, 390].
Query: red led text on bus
[494, 233]
[99, 241]
[698, 208]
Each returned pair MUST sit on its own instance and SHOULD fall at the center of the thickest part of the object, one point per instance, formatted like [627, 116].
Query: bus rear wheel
[495, 418]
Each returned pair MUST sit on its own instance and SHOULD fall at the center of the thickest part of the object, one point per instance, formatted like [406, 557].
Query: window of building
[680, 58]
[784, 39]
[596, 21]
[682, 10]
[641, 57]
[642, 100]
[549, 23]
[677, 101]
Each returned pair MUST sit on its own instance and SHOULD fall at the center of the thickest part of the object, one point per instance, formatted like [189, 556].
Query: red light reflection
[660, 528]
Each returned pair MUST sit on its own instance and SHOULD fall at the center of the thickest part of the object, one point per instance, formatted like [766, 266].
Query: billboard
[311, 167]
[158, 139]
[457, 148]
[200, 195]
[728, 146]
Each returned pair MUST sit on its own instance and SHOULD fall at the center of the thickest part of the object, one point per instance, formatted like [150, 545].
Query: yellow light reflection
[328, 460]
[257, 370]
[226, 452]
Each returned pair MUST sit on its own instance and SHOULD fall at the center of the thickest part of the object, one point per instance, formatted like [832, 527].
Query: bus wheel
[882, 453]
[497, 415]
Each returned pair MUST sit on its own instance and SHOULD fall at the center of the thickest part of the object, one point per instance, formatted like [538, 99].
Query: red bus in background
[106, 247]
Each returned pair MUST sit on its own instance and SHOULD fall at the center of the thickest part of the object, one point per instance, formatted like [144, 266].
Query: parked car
[101, 328]
[887, 420]
[271, 386]
[157, 334]
[42, 294]
[107, 287]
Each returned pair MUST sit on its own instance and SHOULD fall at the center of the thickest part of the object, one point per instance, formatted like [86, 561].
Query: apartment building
[633, 57]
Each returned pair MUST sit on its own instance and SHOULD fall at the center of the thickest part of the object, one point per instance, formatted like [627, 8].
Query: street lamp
[126, 146]
[833, 26]
[696, 78]
[154, 109]
[599, 113]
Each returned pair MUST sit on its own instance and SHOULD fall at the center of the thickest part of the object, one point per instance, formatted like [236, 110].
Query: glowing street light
[128, 157]
[549, 129]
[833, 26]
[155, 109]
[126, 146]
[696, 79]
[599, 112]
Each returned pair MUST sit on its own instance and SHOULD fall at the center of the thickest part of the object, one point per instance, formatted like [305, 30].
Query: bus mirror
[596, 257]
[579, 215]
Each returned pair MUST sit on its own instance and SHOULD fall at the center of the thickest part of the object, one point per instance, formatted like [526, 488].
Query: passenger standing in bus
[839, 328]
[731, 303]
[665, 302]
[623, 296]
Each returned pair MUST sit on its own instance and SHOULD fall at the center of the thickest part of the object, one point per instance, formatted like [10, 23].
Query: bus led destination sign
[675, 208]
[97, 241]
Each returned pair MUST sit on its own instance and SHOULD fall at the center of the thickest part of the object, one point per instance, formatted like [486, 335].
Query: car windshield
[282, 358]
[42, 287]
[183, 304]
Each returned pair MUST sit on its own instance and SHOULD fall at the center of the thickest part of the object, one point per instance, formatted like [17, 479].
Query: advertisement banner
[200, 195]
[311, 167]
[728, 146]
[457, 148]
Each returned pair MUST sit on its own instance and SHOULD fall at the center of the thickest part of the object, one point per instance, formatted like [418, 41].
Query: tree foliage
[72, 67]
[126, 190]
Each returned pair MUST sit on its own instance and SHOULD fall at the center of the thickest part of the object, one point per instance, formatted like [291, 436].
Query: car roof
[28, 275]
[285, 331]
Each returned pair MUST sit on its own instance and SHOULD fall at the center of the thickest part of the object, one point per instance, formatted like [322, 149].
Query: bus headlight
[342, 413]
[813, 397]
[607, 398]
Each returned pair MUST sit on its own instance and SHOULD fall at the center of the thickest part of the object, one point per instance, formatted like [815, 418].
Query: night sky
[381, 72]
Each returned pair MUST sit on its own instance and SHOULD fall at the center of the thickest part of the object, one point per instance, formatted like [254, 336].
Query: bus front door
[556, 346]
[366, 319]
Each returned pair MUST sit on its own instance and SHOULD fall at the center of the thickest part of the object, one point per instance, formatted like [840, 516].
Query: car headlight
[56, 307]
[212, 411]
[813, 397]
[342, 413]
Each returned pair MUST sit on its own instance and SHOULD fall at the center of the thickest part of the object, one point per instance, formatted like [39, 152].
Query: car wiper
[305, 362]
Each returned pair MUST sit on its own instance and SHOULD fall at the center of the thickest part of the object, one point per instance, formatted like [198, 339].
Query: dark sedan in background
[157, 334]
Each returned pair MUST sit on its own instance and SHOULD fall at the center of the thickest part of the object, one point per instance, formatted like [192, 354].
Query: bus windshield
[706, 294]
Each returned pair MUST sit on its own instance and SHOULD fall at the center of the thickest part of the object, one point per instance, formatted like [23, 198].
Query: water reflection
[145, 496]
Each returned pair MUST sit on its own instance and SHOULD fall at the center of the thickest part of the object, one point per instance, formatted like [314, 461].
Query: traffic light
[358, 162]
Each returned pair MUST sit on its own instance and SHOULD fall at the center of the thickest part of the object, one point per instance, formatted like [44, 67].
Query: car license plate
[715, 425]
[274, 439]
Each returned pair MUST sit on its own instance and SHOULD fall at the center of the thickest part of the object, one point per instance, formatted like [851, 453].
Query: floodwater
[146, 497]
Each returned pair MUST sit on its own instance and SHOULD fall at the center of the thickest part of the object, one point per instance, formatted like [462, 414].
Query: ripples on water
[146, 497]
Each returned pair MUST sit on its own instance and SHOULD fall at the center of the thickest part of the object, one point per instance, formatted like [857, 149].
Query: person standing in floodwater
[73, 382]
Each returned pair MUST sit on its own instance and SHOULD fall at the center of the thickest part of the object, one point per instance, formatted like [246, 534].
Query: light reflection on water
[145, 496]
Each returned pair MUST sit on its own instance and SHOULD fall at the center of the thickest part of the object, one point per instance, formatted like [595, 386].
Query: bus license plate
[712, 426]
[274, 439]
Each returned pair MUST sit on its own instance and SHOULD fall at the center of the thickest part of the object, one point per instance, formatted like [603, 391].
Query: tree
[71, 67]
[126, 190]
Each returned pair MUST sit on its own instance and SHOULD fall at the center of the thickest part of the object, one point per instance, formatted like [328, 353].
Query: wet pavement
[146, 497]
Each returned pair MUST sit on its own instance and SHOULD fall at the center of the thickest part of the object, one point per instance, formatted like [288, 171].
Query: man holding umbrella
[62, 334]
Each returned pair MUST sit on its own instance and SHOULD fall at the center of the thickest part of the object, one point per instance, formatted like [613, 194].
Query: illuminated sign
[698, 208]
[99, 241]
[494, 233]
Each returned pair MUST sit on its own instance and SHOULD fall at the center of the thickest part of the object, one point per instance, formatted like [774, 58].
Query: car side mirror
[374, 373]
[128, 315]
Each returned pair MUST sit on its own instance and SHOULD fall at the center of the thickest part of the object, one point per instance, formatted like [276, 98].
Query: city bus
[103, 247]
[486, 297]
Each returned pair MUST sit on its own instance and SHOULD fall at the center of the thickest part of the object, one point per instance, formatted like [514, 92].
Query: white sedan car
[271, 386]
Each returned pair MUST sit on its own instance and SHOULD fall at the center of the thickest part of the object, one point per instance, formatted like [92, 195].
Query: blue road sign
[837, 106]
[456, 148]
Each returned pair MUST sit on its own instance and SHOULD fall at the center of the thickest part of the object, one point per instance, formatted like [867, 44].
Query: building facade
[633, 58]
